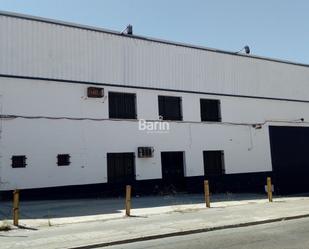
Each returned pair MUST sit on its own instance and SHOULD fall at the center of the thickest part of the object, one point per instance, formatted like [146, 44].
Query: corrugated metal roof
[33, 48]
[86, 27]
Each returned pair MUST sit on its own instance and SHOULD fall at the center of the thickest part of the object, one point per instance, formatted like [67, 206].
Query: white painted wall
[245, 149]
[37, 49]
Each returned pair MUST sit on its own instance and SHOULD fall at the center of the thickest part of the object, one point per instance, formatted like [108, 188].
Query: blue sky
[272, 28]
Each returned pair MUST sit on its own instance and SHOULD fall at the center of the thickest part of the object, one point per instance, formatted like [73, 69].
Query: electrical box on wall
[145, 152]
[95, 92]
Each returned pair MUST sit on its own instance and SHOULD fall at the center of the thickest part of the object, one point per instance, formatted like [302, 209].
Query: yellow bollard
[128, 200]
[15, 207]
[206, 192]
[269, 190]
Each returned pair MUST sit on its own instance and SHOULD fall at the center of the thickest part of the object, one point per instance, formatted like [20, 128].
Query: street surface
[293, 234]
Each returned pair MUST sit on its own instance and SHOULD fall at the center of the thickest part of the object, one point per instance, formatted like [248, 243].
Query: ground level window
[120, 168]
[63, 160]
[19, 161]
[213, 163]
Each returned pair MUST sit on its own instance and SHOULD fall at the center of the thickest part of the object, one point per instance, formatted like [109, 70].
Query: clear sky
[272, 28]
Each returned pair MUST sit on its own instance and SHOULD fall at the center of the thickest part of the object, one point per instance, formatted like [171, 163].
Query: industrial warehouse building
[84, 106]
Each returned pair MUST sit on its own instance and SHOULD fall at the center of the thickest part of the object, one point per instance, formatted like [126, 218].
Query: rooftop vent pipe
[245, 48]
[128, 30]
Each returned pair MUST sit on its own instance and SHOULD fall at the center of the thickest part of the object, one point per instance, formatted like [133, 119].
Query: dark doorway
[173, 169]
[213, 163]
[214, 169]
[120, 168]
[290, 158]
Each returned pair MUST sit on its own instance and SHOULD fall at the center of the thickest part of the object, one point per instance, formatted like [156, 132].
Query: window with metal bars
[19, 161]
[214, 163]
[210, 110]
[120, 168]
[170, 107]
[63, 159]
[122, 105]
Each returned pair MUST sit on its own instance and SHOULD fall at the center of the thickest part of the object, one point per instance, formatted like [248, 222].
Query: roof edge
[168, 42]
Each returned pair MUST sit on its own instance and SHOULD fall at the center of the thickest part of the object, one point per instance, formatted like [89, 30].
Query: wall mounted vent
[95, 92]
[145, 152]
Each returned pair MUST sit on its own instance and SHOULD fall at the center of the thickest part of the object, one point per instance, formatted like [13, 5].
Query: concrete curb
[193, 231]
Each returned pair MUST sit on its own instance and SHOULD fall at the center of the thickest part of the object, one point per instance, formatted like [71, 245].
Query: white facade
[46, 68]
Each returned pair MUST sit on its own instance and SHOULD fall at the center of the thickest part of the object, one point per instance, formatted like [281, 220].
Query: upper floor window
[170, 107]
[210, 110]
[122, 105]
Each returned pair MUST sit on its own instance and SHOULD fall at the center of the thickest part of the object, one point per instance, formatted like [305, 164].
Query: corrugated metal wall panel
[38, 49]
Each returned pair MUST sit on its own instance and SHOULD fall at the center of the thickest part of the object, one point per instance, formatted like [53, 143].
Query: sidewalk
[180, 220]
[58, 212]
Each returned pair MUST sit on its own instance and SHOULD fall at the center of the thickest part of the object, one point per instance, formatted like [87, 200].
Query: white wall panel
[38, 49]
[245, 148]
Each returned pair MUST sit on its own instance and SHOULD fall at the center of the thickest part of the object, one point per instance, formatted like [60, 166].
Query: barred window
[19, 161]
[63, 159]
[170, 107]
[122, 105]
[210, 110]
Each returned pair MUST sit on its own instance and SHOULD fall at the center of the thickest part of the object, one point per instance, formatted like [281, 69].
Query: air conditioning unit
[145, 152]
[95, 92]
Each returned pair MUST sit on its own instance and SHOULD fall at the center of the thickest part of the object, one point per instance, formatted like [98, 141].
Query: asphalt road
[293, 234]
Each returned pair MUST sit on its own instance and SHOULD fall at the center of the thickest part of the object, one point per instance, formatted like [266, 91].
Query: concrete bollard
[269, 190]
[128, 200]
[16, 207]
[206, 192]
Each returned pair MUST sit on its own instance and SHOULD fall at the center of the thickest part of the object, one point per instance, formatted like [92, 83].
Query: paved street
[291, 234]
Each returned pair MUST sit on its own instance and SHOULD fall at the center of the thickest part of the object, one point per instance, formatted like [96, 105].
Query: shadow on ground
[95, 206]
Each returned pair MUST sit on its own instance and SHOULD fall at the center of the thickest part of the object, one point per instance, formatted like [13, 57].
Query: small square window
[210, 110]
[63, 160]
[19, 161]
